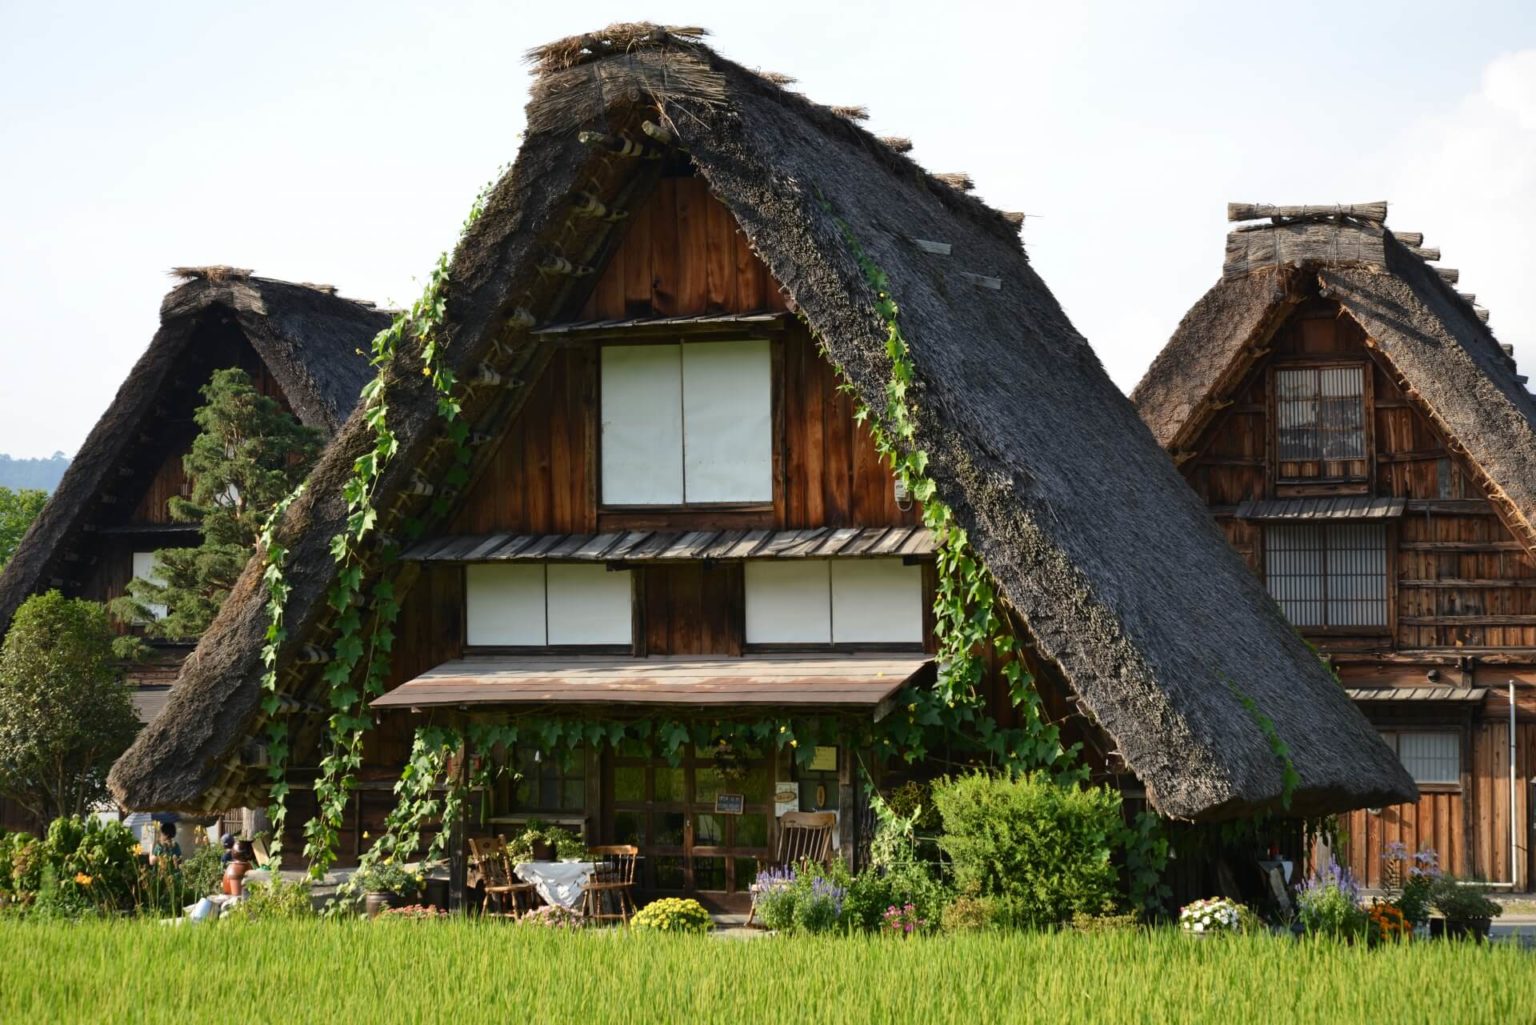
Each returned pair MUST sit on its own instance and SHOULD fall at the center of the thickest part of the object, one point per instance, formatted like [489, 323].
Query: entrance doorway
[702, 826]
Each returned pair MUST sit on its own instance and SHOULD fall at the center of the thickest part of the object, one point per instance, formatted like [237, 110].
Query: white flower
[1199, 927]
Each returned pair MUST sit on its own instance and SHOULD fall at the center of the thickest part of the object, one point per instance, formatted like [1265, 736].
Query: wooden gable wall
[682, 254]
[1459, 576]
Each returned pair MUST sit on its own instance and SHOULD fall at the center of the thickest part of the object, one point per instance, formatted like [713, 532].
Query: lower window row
[803, 601]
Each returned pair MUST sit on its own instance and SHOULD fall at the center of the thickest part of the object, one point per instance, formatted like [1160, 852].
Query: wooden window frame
[690, 515]
[1302, 486]
[1397, 728]
[636, 640]
[1386, 629]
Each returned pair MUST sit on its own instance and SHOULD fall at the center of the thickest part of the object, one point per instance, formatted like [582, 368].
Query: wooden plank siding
[1459, 581]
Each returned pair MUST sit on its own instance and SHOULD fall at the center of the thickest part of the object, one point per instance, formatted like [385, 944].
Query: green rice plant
[325, 971]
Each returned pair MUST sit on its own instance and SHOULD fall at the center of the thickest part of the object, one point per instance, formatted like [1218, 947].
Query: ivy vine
[968, 624]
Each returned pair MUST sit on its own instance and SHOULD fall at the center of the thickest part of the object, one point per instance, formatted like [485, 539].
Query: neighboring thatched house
[639, 316]
[109, 514]
[1370, 449]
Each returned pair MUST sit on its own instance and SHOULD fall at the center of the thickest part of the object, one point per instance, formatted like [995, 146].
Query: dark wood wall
[1459, 583]
[543, 478]
[681, 253]
[1460, 579]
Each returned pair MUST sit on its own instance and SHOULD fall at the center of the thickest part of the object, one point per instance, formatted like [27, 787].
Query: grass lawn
[291, 974]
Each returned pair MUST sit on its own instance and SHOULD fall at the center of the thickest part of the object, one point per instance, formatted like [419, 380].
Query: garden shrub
[278, 900]
[1328, 904]
[969, 914]
[1041, 850]
[873, 891]
[810, 900]
[673, 914]
[203, 872]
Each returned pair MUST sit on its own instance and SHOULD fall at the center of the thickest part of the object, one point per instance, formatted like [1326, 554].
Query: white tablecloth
[558, 882]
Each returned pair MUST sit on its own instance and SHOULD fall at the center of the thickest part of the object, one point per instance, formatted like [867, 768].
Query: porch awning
[1379, 694]
[1321, 510]
[677, 545]
[852, 683]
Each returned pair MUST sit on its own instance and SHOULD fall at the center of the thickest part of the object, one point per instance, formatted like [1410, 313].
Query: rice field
[297, 973]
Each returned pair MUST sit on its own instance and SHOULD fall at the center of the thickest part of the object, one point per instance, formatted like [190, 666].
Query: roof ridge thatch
[1432, 334]
[1066, 499]
[309, 341]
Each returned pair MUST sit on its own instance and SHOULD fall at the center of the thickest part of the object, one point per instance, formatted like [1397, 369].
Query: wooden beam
[1466, 620]
[1374, 212]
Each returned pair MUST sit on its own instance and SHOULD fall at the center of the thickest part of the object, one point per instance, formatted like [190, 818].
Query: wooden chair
[609, 893]
[495, 868]
[805, 838]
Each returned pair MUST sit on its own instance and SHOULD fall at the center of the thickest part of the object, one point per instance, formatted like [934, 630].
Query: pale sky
[342, 143]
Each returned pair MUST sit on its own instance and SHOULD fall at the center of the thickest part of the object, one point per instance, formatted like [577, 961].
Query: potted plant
[542, 842]
[1210, 917]
[385, 885]
[1465, 907]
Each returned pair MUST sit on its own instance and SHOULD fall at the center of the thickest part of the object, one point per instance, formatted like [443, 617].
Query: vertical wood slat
[693, 201]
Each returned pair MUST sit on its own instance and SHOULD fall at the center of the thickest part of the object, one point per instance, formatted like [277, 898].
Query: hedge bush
[1038, 852]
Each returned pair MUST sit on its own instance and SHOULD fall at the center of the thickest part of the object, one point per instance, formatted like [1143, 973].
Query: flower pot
[234, 877]
[377, 901]
[1467, 928]
[543, 850]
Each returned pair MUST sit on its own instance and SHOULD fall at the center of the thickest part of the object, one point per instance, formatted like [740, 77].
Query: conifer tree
[249, 453]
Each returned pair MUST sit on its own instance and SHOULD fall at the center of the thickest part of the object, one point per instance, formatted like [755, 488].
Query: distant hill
[42, 474]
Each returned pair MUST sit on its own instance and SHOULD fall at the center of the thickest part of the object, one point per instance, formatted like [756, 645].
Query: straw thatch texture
[307, 339]
[1429, 333]
[1093, 538]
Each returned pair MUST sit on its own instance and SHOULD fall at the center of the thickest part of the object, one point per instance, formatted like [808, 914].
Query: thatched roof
[1432, 336]
[1093, 538]
[308, 340]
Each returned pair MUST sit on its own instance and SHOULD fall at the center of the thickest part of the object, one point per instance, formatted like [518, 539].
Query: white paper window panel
[504, 606]
[876, 601]
[642, 425]
[789, 602]
[727, 422]
[589, 605]
[144, 569]
[1431, 757]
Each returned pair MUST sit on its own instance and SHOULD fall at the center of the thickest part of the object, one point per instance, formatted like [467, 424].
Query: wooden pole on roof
[1375, 212]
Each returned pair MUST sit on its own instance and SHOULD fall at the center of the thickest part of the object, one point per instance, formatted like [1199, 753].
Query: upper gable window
[1320, 423]
[687, 424]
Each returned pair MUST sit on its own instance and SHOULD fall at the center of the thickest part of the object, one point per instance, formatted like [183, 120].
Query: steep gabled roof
[1093, 538]
[305, 335]
[1435, 338]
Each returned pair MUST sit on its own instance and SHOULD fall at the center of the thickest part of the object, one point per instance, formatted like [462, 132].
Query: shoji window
[1320, 422]
[1328, 575]
[687, 424]
[1429, 757]
[837, 601]
[536, 606]
[144, 569]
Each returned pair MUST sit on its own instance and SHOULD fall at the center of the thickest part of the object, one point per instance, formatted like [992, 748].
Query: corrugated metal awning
[1309, 510]
[760, 320]
[1378, 694]
[676, 545]
[838, 682]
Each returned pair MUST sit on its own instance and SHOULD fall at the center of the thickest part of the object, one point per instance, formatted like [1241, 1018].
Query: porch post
[846, 826]
[458, 835]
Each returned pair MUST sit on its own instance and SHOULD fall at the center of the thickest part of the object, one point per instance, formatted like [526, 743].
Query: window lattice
[1320, 414]
[1328, 576]
[1429, 757]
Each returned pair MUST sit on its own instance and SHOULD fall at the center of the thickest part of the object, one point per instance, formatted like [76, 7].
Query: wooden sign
[730, 804]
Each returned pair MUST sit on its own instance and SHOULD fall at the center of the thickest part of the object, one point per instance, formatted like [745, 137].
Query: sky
[343, 143]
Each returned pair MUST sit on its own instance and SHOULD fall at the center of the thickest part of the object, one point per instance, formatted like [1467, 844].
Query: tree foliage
[65, 711]
[17, 511]
[248, 455]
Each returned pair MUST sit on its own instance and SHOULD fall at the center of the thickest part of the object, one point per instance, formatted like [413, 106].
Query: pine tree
[249, 454]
